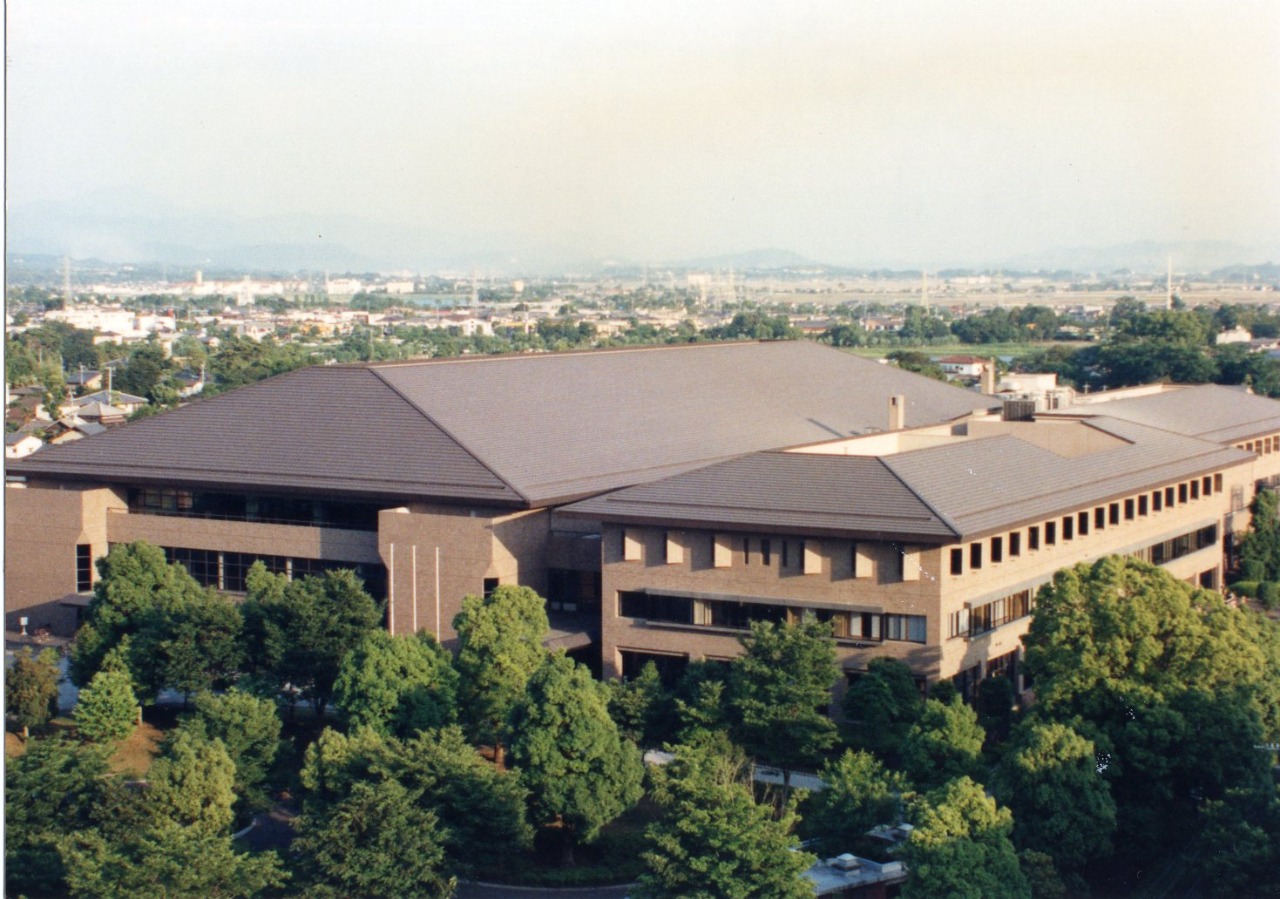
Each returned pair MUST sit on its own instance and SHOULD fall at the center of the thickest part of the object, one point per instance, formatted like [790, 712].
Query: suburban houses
[660, 498]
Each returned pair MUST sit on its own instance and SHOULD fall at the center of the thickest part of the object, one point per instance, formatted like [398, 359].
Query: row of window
[252, 507]
[737, 615]
[1263, 447]
[226, 571]
[1177, 547]
[997, 548]
[989, 616]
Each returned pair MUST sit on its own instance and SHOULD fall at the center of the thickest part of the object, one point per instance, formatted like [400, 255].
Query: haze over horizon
[925, 133]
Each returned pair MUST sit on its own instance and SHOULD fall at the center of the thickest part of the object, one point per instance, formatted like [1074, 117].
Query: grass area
[133, 755]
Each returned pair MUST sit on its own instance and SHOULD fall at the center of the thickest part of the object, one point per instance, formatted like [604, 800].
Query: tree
[860, 793]
[882, 705]
[193, 782]
[106, 708]
[499, 648]
[714, 841]
[249, 729]
[191, 645]
[166, 859]
[56, 788]
[397, 684]
[960, 847]
[31, 688]
[298, 632]
[641, 707]
[580, 773]
[377, 842]
[1061, 804]
[945, 743]
[134, 580]
[995, 706]
[1167, 682]
[700, 701]
[779, 690]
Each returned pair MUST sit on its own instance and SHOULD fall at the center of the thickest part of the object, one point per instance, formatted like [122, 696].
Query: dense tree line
[1151, 696]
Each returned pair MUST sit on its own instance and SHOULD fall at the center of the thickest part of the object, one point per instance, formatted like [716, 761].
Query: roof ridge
[443, 430]
[945, 519]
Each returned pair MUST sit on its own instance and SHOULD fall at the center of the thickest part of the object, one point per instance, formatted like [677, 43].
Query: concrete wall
[43, 526]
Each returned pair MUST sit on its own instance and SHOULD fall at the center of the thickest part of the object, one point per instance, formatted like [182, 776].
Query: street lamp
[22, 623]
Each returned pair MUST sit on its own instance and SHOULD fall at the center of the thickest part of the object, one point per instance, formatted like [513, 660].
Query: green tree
[700, 701]
[397, 684]
[641, 707]
[31, 688]
[107, 708]
[134, 580]
[249, 729]
[298, 632]
[166, 859]
[1061, 804]
[714, 841]
[376, 842]
[779, 690]
[945, 743]
[54, 789]
[960, 847]
[192, 645]
[193, 782]
[860, 793]
[882, 706]
[580, 773]
[499, 648]
[995, 706]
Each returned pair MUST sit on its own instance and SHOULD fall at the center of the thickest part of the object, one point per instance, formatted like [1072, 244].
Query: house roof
[955, 491]
[527, 430]
[112, 397]
[1208, 411]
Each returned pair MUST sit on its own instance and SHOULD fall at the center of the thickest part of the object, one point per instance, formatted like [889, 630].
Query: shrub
[1269, 595]
[106, 708]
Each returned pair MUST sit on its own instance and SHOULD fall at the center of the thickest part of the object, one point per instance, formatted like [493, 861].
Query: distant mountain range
[129, 228]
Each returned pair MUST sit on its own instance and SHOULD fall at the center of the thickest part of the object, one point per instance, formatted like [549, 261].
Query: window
[766, 552]
[490, 584]
[1033, 537]
[1142, 504]
[1068, 528]
[1217, 483]
[1168, 496]
[84, 568]
[851, 625]
[999, 612]
[957, 561]
[908, 628]
[975, 556]
[673, 609]
[1099, 518]
[1015, 544]
[1082, 524]
[1157, 501]
[1195, 489]
[1128, 510]
[1182, 493]
[1206, 486]
[1050, 533]
[997, 549]
[958, 624]
[1114, 513]
[746, 550]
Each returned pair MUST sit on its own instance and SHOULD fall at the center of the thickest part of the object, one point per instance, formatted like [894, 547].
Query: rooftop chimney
[989, 377]
[897, 412]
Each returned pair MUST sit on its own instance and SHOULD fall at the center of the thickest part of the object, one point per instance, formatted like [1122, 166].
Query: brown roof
[528, 429]
[1209, 411]
[953, 491]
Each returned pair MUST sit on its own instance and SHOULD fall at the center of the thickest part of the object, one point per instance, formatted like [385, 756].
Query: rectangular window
[1168, 496]
[1015, 544]
[1142, 504]
[1050, 533]
[673, 549]
[958, 625]
[1033, 537]
[957, 561]
[1068, 528]
[907, 628]
[1157, 501]
[1082, 524]
[997, 549]
[1099, 518]
[1183, 493]
[766, 551]
[490, 584]
[1128, 509]
[1113, 512]
[631, 546]
[1195, 489]
[1206, 487]
[975, 556]
[84, 568]
[1217, 483]
[671, 609]
[746, 550]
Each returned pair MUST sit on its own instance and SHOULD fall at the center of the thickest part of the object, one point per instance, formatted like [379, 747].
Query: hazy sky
[846, 131]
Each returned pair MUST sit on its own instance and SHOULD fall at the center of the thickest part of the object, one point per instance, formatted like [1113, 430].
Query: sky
[849, 132]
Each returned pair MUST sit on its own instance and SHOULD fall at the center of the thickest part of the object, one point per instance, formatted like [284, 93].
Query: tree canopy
[31, 688]
[398, 684]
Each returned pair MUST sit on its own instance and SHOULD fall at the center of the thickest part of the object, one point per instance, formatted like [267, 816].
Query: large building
[660, 498]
